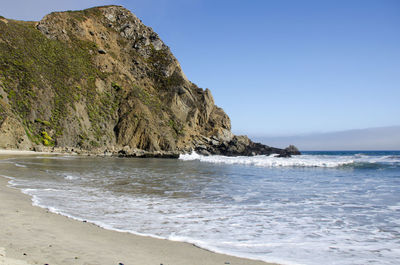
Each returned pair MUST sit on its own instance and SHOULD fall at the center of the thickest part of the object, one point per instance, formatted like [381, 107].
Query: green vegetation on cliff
[98, 78]
[35, 70]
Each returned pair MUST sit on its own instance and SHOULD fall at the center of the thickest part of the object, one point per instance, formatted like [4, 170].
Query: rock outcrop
[99, 79]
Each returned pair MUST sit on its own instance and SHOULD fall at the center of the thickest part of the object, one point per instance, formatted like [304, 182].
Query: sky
[277, 68]
[360, 139]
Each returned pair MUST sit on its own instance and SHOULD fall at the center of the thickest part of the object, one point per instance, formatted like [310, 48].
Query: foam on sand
[40, 234]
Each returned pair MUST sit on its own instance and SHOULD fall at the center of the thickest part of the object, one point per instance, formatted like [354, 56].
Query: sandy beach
[21, 152]
[33, 235]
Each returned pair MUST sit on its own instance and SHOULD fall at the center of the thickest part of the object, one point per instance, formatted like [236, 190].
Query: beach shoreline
[25, 152]
[34, 235]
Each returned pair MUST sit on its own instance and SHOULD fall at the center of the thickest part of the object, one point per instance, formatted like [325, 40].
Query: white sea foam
[293, 216]
[273, 160]
[70, 177]
[328, 161]
[58, 157]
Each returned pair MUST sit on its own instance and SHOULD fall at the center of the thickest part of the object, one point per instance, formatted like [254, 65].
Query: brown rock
[129, 95]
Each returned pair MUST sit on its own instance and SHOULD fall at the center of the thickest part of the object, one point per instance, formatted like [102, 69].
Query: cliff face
[100, 79]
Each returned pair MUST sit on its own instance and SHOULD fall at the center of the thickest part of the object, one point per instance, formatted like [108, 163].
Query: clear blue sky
[276, 67]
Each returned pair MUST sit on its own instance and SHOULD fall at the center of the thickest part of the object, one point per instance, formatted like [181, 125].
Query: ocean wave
[324, 161]
[306, 216]
[57, 157]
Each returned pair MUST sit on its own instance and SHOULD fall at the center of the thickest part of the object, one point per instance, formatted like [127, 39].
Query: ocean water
[317, 208]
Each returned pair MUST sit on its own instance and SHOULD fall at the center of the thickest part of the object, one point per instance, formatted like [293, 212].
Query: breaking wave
[325, 161]
[307, 209]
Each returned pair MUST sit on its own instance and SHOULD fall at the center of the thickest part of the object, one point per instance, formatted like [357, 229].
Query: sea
[316, 208]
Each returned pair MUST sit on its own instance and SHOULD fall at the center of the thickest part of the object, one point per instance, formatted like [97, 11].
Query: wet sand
[32, 235]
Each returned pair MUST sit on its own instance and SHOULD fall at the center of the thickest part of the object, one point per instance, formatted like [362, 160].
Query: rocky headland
[99, 81]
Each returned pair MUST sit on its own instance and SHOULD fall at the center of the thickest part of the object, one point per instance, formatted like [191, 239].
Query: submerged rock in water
[147, 154]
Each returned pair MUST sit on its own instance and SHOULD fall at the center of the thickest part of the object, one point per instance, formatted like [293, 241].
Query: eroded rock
[99, 81]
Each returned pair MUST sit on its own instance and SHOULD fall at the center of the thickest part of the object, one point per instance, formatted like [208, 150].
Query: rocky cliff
[100, 80]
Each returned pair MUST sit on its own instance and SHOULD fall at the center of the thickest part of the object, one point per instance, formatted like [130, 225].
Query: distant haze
[382, 138]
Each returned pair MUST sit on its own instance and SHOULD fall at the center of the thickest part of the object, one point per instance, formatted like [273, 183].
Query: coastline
[25, 152]
[33, 235]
